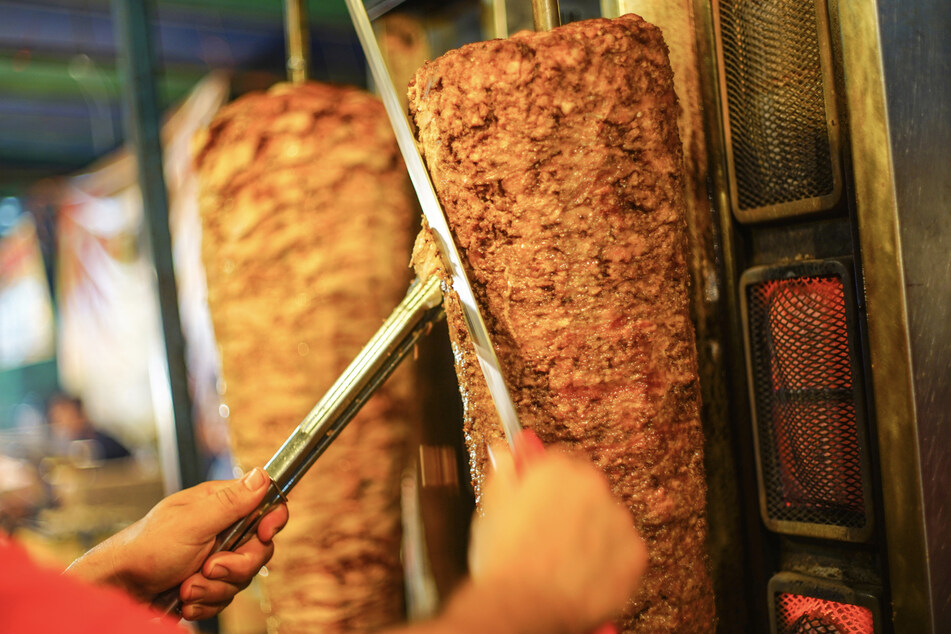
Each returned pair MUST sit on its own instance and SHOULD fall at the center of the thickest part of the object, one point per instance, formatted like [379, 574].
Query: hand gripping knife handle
[409, 321]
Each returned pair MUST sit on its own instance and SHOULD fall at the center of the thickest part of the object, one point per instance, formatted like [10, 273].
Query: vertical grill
[779, 112]
[800, 604]
[781, 156]
[807, 401]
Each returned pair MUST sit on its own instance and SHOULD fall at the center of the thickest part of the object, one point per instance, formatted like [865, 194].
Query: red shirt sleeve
[35, 599]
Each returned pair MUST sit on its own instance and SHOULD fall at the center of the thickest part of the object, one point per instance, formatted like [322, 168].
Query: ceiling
[60, 94]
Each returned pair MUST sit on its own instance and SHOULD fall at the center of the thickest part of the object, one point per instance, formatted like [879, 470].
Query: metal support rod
[137, 63]
[297, 37]
[500, 25]
[547, 14]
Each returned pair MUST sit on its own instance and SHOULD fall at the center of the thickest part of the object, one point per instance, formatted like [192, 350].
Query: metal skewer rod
[380, 356]
[546, 13]
[499, 18]
[297, 38]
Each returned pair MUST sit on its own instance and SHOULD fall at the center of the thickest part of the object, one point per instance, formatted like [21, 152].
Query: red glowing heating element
[805, 386]
[808, 330]
[797, 614]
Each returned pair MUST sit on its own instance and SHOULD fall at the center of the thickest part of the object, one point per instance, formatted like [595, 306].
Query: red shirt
[35, 599]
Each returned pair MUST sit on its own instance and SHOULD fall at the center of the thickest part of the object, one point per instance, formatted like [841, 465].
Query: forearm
[105, 565]
[480, 608]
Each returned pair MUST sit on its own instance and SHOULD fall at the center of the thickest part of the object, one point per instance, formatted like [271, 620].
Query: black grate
[805, 403]
[780, 137]
[799, 614]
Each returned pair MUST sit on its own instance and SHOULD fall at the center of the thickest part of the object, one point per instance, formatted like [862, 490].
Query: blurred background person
[72, 431]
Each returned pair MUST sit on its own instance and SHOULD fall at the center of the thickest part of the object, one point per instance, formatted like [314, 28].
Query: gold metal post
[500, 27]
[297, 36]
[547, 14]
[889, 347]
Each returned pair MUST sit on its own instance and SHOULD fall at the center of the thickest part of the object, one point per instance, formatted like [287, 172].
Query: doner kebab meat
[557, 160]
[307, 221]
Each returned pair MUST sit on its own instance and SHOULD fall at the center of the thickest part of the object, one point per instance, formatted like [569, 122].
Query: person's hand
[555, 536]
[169, 546]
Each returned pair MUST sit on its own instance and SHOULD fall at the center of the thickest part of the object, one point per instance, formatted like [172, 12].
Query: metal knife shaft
[379, 357]
[408, 322]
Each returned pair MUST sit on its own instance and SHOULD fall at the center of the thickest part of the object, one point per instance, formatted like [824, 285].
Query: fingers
[576, 546]
[622, 551]
[237, 498]
[223, 575]
[500, 457]
[238, 567]
[272, 523]
[203, 598]
[208, 508]
[501, 488]
[198, 611]
[503, 477]
[638, 558]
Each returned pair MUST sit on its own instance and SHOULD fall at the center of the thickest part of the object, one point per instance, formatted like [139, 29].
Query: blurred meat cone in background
[557, 159]
[307, 223]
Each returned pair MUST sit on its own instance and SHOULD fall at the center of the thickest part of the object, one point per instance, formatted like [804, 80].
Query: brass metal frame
[806, 206]
[888, 341]
[730, 253]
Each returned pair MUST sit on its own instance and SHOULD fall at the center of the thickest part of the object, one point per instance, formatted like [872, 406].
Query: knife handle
[408, 322]
[232, 538]
[528, 448]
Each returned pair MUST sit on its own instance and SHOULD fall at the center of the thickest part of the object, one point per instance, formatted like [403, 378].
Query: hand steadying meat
[554, 552]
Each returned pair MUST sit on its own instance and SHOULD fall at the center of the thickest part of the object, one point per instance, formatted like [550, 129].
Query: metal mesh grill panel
[782, 152]
[805, 403]
[798, 614]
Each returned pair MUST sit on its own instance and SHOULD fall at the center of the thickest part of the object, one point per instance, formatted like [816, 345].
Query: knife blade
[442, 235]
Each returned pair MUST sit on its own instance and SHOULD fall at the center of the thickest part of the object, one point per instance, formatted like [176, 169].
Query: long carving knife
[433, 212]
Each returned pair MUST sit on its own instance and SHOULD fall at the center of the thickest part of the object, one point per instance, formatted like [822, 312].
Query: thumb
[502, 478]
[500, 485]
[233, 499]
